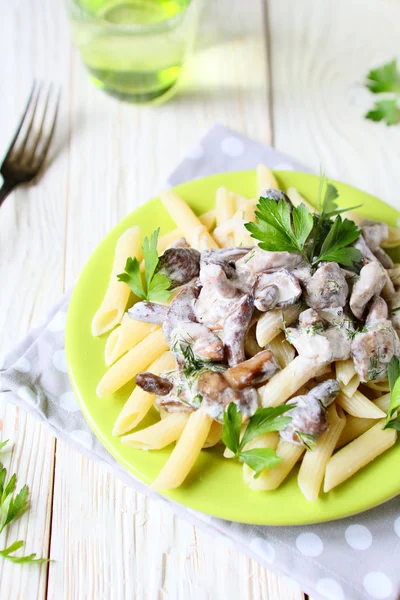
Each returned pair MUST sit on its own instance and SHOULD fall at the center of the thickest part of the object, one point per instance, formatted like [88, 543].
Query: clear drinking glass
[134, 49]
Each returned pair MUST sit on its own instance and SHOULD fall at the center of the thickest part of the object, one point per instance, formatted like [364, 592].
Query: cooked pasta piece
[271, 479]
[136, 360]
[246, 207]
[117, 294]
[208, 219]
[214, 435]
[185, 453]
[345, 370]
[361, 451]
[140, 402]
[125, 337]
[358, 405]
[394, 238]
[355, 426]
[160, 434]
[272, 322]
[265, 179]
[282, 350]
[266, 440]
[286, 382]
[296, 199]
[351, 388]
[196, 233]
[312, 470]
[379, 386]
[225, 205]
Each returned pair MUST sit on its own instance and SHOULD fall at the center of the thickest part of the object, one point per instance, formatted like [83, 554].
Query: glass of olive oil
[134, 49]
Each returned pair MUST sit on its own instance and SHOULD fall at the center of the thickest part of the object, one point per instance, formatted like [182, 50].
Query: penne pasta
[125, 337]
[296, 199]
[356, 455]
[355, 426]
[345, 370]
[358, 405]
[214, 435]
[266, 440]
[394, 238]
[271, 479]
[313, 466]
[379, 386]
[196, 233]
[265, 179]
[286, 382]
[160, 435]
[225, 205]
[185, 453]
[140, 402]
[271, 323]
[282, 350]
[207, 219]
[136, 360]
[117, 294]
[351, 388]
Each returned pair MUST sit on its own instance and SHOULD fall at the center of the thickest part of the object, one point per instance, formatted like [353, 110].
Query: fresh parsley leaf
[384, 79]
[265, 420]
[394, 424]
[302, 223]
[31, 558]
[17, 506]
[133, 277]
[274, 227]
[385, 110]
[231, 428]
[3, 444]
[259, 459]
[394, 310]
[334, 247]
[329, 205]
[155, 287]
[394, 385]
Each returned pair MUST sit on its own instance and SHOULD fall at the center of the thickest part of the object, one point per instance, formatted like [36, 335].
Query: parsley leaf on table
[385, 110]
[264, 420]
[384, 80]
[155, 287]
[3, 444]
[11, 508]
[394, 385]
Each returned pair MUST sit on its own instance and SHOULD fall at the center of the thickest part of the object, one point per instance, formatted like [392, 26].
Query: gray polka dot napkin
[351, 559]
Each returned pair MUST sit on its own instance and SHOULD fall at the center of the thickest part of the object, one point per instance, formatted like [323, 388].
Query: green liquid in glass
[134, 49]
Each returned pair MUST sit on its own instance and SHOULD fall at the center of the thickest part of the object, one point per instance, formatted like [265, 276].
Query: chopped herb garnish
[308, 440]
[263, 421]
[155, 287]
[251, 255]
[395, 309]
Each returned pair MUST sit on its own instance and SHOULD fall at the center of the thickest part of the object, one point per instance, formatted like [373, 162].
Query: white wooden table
[286, 73]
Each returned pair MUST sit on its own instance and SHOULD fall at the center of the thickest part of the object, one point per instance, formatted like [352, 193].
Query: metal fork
[31, 142]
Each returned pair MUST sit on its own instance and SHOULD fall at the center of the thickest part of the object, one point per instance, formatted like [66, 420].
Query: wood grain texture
[32, 232]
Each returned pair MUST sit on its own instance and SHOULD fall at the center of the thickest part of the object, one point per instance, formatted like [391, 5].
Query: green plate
[215, 486]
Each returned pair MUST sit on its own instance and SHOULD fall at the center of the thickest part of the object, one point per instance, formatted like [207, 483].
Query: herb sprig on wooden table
[385, 81]
[12, 506]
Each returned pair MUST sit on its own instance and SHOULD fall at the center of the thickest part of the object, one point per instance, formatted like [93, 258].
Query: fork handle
[6, 189]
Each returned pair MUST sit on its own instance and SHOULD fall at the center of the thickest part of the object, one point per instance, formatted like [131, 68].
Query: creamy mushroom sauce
[223, 293]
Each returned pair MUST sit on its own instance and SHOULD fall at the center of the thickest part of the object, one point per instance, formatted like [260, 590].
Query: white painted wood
[32, 225]
[321, 52]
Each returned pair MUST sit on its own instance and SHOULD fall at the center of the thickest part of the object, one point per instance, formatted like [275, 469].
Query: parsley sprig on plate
[385, 80]
[392, 420]
[317, 237]
[264, 420]
[154, 287]
[12, 506]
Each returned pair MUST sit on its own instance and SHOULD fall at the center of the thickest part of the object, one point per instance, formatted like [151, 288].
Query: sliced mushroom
[276, 195]
[395, 310]
[265, 298]
[327, 287]
[181, 310]
[252, 372]
[235, 329]
[204, 343]
[309, 317]
[217, 394]
[224, 257]
[179, 243]
[214, 276]
[287, 286]
[375, 233]
[370, 283]
[180, 265]
[148, 312]
[373, 348]
[259, 261]
[319, 344]
[366, 254]
[161, 386]
[309, 416]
